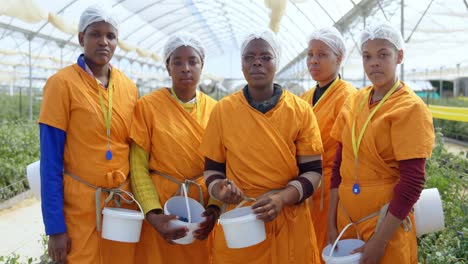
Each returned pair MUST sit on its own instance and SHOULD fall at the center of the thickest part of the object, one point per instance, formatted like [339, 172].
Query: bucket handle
[184, 191]
[245, 200]
[133, 199]
[338, 238]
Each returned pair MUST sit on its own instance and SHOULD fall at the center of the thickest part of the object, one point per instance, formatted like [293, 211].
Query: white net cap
[268, 36]
[96, 13]
[332, 38]
[382, 31]
[183, 39]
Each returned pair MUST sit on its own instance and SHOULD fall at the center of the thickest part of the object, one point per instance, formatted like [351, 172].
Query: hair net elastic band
[94, 14]
[183, 39]
[382, 31]
[332, 38]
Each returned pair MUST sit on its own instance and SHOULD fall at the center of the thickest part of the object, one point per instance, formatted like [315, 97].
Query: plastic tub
[428, 212]
[33, 173]
[122, 225]
[242, 228]
[342, 255]
[188, 208]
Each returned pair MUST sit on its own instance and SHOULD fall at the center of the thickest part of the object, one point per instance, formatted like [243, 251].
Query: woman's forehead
[377, 44]
[101, 25]
[258, 46]
[318, 44]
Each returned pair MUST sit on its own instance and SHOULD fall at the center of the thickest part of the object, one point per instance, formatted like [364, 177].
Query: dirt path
[21, 228]
[456, 147]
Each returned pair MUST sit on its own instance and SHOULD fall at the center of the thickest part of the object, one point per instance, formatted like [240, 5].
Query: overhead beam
[362, 9]
[60, 41]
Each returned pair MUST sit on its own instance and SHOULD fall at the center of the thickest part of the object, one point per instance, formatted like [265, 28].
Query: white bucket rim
[225, 218]
[351, 257]
[123, 213]
[186, 198]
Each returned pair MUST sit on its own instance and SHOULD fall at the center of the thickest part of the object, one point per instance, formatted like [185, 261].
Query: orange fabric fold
[260, 154]
[326, 112]
[71, 103]
[401, 129]
[171, 136]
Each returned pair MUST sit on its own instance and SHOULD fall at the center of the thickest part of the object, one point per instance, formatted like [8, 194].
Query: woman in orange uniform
[385, 133]
[84, 123]
[166, 131]
[325, 53]
[264, 142]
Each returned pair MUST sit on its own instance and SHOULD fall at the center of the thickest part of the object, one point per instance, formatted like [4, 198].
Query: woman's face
[322, 62]
[185, 66]
[380, 59]
[258, 63]
[99, 41]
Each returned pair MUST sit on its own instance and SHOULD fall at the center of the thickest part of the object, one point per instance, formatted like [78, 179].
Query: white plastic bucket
[33, 173]
[121, 224]
[242, 228]
[342, 255]
[188, 208]
[428, 212]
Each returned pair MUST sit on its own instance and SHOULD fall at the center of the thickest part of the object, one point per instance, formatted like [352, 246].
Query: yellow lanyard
[197, 103]
[357, 144]
[107, 114]
[323, 95]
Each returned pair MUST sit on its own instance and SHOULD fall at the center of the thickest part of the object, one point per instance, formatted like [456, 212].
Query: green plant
[449, 174]
[15, 258]
[15, 107]
[19, 146]
[45, 259]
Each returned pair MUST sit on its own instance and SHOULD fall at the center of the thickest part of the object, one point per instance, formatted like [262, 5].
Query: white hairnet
[383, 31]
[268, 36]
[183, 39]
[96, 13]
[332, 38]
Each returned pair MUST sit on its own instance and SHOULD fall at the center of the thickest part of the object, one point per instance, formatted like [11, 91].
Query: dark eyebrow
[179, 57]
[261, 53]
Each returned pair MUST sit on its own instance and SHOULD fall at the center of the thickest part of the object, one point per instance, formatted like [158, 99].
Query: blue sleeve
[52, 146]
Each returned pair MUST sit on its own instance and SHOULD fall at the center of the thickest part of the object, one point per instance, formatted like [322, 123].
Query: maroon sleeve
[336, 176]
[215, 166]
[406, 192]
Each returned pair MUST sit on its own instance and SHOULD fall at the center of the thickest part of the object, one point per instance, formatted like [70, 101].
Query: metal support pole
[61, 55]
[364, 72]
[440, 82]
[456, 83]
[402, 24]
[30, 81]
[20, 100]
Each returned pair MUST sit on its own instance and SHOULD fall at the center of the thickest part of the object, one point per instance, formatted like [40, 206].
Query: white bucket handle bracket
[133, 198]
[338, 238]
[184, 191]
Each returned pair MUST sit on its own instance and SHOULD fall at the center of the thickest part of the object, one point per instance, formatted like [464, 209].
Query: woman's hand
[227, 192]
[372, 251]
[58, 247]
[160, 222]
[211, 214]
[268, 207]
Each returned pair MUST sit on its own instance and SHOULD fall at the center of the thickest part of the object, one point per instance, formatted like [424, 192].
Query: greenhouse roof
[435, 32]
